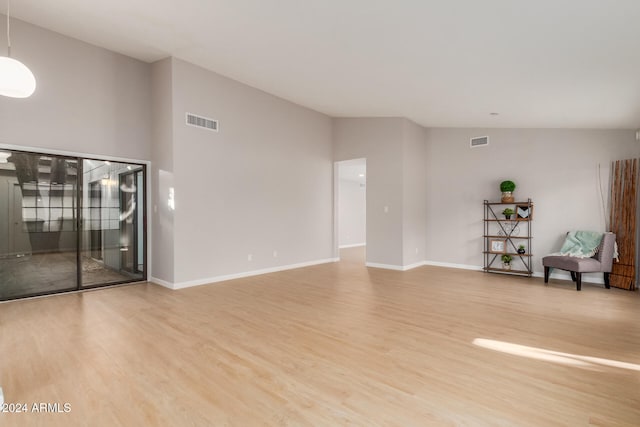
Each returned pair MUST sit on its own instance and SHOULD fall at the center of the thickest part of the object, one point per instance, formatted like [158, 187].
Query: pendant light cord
[8, 28]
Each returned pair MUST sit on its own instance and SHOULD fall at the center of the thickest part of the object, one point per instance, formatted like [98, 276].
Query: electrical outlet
[386, 209]
[250, 257]
[416, 251]
[275, 254]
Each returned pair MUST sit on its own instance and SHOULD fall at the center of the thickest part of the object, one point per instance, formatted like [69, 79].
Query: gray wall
[556, 168]
[380, 141]
[396, 150]
[87, 100]
[414, 194]
[263, 183]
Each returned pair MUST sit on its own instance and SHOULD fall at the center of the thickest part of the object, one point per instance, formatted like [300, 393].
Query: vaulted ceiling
[543, 63]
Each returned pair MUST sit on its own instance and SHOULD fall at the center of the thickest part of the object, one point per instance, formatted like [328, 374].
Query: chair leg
[606, 281]
[578, 281]
[573, 275]
[546, 274]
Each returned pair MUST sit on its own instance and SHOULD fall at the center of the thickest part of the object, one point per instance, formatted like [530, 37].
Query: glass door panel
[38, 234]
[111, 213]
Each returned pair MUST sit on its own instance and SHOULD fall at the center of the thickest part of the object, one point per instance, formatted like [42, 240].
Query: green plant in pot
[508, 212]
[507, 188]
[506, 261]
[521, 249]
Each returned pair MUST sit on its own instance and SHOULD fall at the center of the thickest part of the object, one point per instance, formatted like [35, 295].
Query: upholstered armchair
[601, 262]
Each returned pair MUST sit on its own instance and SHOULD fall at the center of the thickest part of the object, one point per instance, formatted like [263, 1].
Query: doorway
[351, 212]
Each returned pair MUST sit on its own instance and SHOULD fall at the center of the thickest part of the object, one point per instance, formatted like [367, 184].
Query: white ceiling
[543, 63]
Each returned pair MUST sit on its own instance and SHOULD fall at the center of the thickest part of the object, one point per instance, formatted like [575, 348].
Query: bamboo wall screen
[623, 221]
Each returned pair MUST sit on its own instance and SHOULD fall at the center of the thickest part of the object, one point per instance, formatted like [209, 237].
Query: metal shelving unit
[512, 233]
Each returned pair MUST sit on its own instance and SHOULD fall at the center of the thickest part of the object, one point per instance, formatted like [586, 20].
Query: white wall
[556, 168]
[263, 183]
[88, 99]
[352, 217]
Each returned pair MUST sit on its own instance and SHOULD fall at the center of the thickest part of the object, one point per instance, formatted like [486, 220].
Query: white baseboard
[412, 266]
[422, 263]
[161, 282]
[453, 265]
[181, 285]
[385, 266]
[205, 281]
[355, 245]
[395, 267]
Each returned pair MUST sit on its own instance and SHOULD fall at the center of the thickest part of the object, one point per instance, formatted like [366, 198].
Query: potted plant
[521, 249]
[507, 188]
[508, 212]
[506, 261]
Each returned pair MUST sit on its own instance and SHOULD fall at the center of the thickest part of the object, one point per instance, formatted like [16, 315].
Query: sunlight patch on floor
[576, 360]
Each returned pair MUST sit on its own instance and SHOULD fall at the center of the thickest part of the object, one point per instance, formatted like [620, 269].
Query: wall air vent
[202, 122]
[479, 141]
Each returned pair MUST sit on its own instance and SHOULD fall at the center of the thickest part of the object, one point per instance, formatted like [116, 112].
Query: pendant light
[16, 80]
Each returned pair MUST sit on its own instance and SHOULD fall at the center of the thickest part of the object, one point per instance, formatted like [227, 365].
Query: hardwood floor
[328, 345]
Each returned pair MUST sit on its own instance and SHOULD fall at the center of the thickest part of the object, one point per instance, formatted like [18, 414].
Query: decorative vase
[507, 217]
[506, 266]
[507, 197]
[521, 251]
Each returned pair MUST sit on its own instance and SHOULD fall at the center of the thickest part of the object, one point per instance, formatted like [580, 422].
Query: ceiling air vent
[202, 122]
[479, 141]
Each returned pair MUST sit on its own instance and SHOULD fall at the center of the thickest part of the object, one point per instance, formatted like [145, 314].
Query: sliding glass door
[68, 223]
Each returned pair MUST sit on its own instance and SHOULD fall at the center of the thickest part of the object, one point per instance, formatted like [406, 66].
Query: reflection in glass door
[38, 233]
[130, 227]
[95, 219]
[68, 223]
[112, 222]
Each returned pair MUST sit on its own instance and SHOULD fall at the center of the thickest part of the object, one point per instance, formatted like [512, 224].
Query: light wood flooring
[329, 345]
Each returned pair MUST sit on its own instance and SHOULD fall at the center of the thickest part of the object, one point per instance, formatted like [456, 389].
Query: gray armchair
[601, 262]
